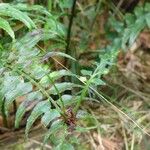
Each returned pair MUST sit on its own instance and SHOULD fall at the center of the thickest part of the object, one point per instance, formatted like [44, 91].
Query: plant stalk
[68, 39]
[49, 5]
[60, 97]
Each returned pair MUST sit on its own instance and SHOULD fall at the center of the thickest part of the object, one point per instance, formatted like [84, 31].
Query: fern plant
[130, 27]
[136, 23]
[24, 72]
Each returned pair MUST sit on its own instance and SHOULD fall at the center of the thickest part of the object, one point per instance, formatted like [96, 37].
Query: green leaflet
[137, 28]
[56, 27]
[39, 71]
[86, 72]
[97, 81]
[62, 87]
[10, 80]
[27, 56]
[5, 26]
[30, 99]
[37, 8]
[29, 41]
[39, 109]
[67, 100]
[60, 73]
[55, 127]
[131, 33]
[13, 87]
[129, 19]
[139, 11]
[125, 37]
[51, 54]
[55, 75]
[20, 90]
[9, 10]
[50, 116]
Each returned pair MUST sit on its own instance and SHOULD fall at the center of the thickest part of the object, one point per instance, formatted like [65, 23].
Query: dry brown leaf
[144, 39]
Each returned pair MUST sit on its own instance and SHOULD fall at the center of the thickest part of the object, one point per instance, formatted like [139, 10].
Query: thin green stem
[60, 97]
[49, 5]
[83, 94]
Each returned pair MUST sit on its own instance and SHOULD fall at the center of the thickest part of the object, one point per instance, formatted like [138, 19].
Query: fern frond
[8, 10]
[135, 24]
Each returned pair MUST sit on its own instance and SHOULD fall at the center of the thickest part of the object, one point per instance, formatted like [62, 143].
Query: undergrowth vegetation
[40, 65]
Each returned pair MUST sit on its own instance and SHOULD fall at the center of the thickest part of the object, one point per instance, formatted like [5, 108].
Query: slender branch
[68, 39]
